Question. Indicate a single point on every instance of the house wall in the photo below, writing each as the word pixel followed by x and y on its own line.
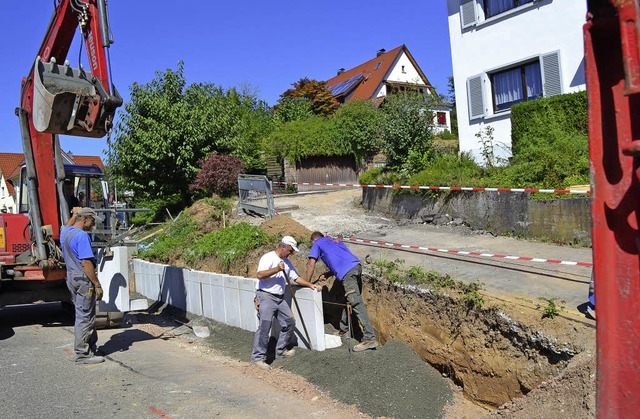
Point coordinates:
pixel 7 202
pixel 532 30
pixel 410 75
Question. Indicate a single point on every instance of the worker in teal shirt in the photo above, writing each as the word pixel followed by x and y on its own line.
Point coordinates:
pixel 348 270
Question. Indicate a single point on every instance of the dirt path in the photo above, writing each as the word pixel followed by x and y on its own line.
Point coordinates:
pixel 338 212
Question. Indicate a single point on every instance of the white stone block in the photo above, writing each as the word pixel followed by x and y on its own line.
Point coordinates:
pixel 113 274
pixel 232 301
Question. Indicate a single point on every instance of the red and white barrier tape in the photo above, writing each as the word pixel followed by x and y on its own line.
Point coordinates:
pixel 461 252
pixel 441 188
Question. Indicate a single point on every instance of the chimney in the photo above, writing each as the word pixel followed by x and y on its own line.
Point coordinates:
pixel 380 52
pixel 340 71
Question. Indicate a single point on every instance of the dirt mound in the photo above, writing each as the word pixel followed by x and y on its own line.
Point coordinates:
pixel 572 393
pixel 201 211
pixel 285 226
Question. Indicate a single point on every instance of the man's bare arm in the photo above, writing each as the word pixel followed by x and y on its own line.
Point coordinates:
pixel 270 272
pixel 89 271
pixel 310 267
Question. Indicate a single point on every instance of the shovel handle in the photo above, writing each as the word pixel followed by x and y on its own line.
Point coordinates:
pixel 293 296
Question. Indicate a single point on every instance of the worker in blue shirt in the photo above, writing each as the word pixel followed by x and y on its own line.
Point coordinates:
pixel 348 270
pixel 82 282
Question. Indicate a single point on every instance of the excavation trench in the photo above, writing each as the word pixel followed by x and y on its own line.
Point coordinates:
pixel 492 357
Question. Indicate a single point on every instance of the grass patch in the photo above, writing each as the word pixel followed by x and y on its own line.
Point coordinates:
pixel 227 245
pixel 175 236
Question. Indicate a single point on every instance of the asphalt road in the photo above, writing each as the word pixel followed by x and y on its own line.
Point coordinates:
pixel 144 376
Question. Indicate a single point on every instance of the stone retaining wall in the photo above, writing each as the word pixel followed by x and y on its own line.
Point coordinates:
pixel 565 220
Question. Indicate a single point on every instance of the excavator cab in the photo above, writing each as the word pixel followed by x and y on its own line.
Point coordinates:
pixel 83 186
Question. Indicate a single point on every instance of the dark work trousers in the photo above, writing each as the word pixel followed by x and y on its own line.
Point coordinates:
pixel 84 331
pixel 351 283
pixel 272 306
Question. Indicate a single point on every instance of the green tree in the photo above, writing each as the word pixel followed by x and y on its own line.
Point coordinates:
pixel 454 110
pixel 305 138
pixel 316 92
pixel 167 128
pixel 292 109
pixel 358 124
pixel 407 126
pixel 154 149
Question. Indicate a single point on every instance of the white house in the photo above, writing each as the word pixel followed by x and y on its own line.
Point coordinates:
pixel 508 51
pixel 388 71
pixel 9 164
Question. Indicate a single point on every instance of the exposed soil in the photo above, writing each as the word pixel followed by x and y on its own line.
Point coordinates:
pixel 492 355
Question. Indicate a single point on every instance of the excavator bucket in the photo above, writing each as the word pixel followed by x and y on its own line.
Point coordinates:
pixel 82 107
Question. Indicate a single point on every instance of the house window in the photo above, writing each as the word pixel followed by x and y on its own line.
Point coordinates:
pixel 403 69
pixel 515 85
pixel 441 118
pixel 495 7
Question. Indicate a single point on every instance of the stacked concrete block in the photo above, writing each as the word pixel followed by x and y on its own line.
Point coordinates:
pixel 226 299
pixel 231 294
pixel 194 291
pixel 310 304
pixel 173 289
pixel 213 296
pixel 113 274
pixel 246 306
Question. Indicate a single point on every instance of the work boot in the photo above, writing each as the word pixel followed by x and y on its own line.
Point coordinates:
pixel 90 360
pixel 261 364
pixel 287 353
pixel 365 344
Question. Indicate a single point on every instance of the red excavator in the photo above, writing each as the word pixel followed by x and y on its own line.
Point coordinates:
pixel 612 62
pixel 56 98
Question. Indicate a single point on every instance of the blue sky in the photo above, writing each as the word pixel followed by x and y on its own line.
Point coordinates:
pixel 267 45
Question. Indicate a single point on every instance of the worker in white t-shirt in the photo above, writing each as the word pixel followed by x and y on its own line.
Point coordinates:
pixel 271 303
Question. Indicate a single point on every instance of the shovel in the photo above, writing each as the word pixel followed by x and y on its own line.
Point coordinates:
pixel 199 331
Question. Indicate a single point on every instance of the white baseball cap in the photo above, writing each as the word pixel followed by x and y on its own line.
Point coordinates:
pixel 291 242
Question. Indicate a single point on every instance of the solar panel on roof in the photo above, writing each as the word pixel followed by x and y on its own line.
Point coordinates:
pixel 344 86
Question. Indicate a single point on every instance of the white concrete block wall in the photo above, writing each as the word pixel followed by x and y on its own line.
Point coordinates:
pixel 223 298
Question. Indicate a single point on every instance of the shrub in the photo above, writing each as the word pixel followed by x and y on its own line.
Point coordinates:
pixel 531 120
pixel 218 174
pixel 370 177
pixel 449 170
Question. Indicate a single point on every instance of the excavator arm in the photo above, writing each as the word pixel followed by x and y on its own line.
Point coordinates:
pixel 59 99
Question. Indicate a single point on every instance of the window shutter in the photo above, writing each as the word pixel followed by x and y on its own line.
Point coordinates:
pixel 468 13
pixel 551 80
pixel 476 97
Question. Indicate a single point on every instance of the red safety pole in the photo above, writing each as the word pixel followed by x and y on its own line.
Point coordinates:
pixel 613 85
